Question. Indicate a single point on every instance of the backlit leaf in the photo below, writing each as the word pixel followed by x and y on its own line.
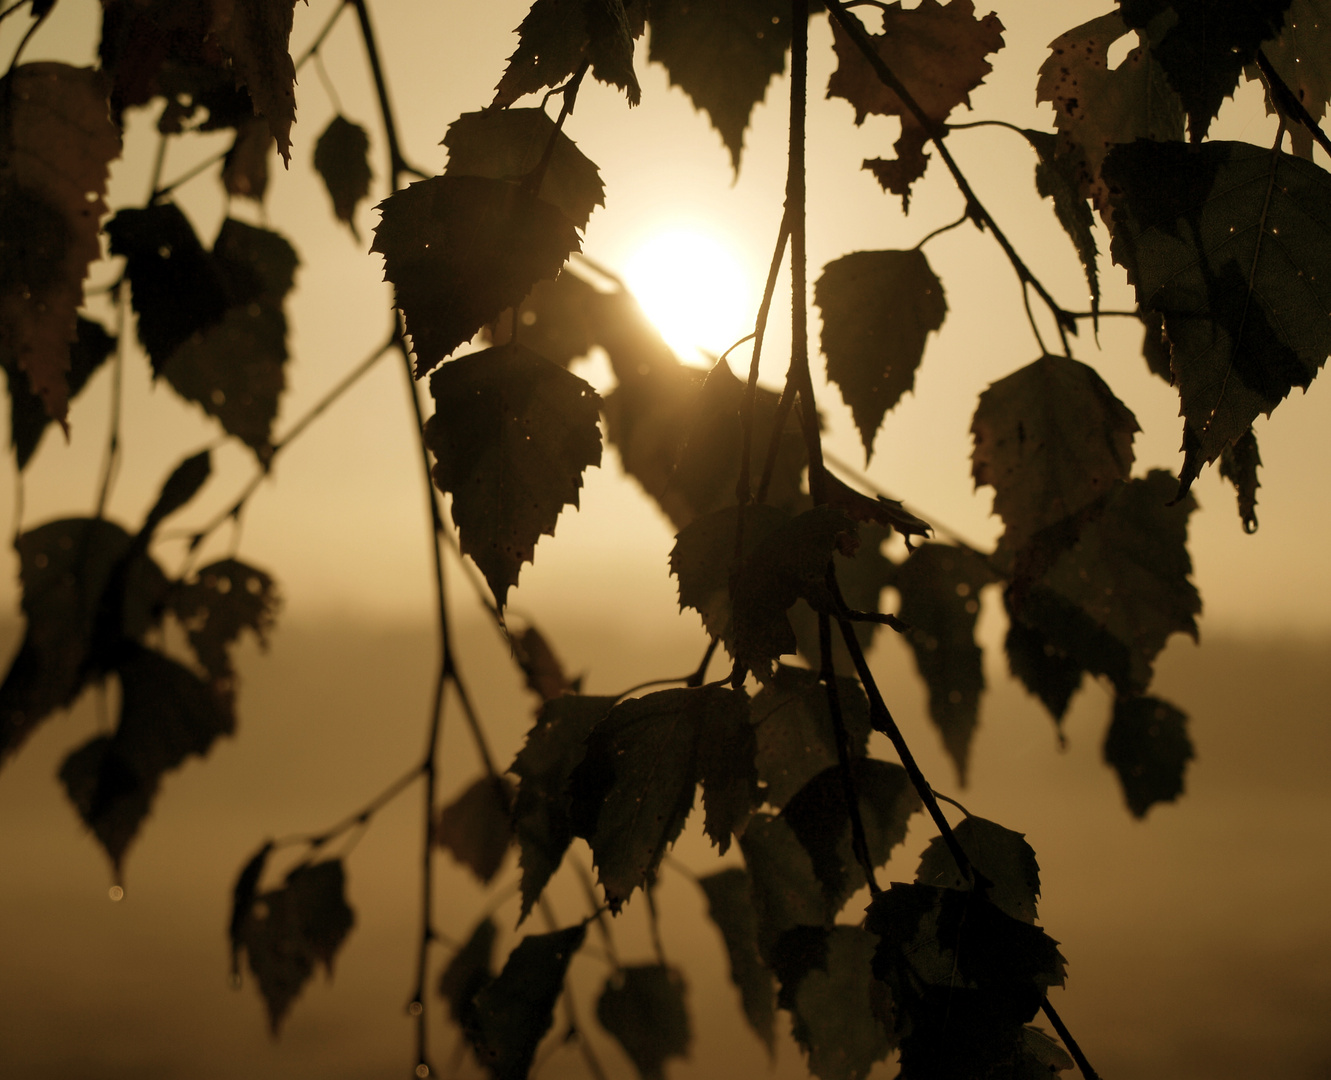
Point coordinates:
pixel 477 826
pixel 1044 669
pixel 793 728
pixel 1001 855
pixel 1060 177
pixel 643 1007
pixel 938 52
pixel 511 435
pixel 940 602
pixel 56 144
pixel 243 895
pixel 180 487
pixel 730 905
pixel 511 1015
pixel 1040 1056
pixel 555 38
pixel 1239 463
pixel 1301 56
pixel 1149 748
pixel 878 307
pixel 342 159
pixel 1050 439
pixel 461 249
pixel 727 769
pixel 468 971
pixel 1230 242
pixel 509 144
pixel 555 321
pixel 786 893
pixel 255 36
pixel 544 673
pixel 544 766
pixel 295 928
pixel 222 599
pixel 723 54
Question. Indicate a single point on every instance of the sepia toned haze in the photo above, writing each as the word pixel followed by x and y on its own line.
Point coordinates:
pixel 1178 966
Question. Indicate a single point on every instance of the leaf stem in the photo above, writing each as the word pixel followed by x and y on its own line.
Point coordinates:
pixel 965 217
pixel 323 33
pixel 1289 102
pixel 1063 1033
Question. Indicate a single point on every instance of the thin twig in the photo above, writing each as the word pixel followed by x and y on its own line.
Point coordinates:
pixel 1289 101
pixel 965 217
pixel 112 466
pixel 23 43
pixel 360 817
pixel 1063 1033
pixel 323 33
pixel 597 911
pixel 654 925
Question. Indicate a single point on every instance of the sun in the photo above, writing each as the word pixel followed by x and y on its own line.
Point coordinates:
pixel 693 288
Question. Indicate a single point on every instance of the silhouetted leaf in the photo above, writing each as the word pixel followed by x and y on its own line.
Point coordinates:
pixel 829 993
pixel 509 144
pixel 468 971
pixel 245 168
pixel 477 826
pixel 555 38
pixel 636 783
pixel 511 435
pixel 243 895
pixel 730 905
pixel 180 487
pixel 1301 56
pixel 1050 438
pixel 511 1015
pixel 727 769
pixel 723 54
pixel 1001 855
pixel 642 1006
pixel 1059 176
pixel 28 417
pixel 224 598
pixel 788 564
pixel 938 52
pixel 255 37
pixel 166 714
pixel 878 510
pixel 1230 243
pixel 461 249
pixel 292 929
pixel 1238 464
pixel 1155 347
pixel 878 307
pixel 1044 669
pixel 85 591
pixel 1203 47
pixel 1111 601
pixel 56 143
pixel 794 733
pixel 786 893
pixel 1149 748
pixel 342 159
pixel 820 820
pixel 940 602
pixel 544 766
pixel 1096 107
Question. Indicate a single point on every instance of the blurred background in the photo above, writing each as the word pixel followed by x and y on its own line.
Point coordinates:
pixel 1197 939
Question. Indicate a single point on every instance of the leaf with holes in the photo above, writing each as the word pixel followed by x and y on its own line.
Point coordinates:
pixel 295 928
pixel 1239 463
pixel 56 145
pixel 511 1014
pixel 723 54
pixel 940 602
pixel 730 906
pixel 255 37
pixel 1149 748
pixel 1301 56
pixel 878 307
pixel 509 144
pixel 342 160
pixel 477 826
pixel 1001 855
pixel 461 249
pixel 223 599
pixel 938 52
pixel 511 435
pixel 643 1007
pixel 557 36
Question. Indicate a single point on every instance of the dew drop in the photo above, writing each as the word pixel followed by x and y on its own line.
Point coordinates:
pixel 218 398
pixel 422 1070
pixel 116 893
pixel 415 1008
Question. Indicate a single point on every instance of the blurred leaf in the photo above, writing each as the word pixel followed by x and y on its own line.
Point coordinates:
pixel 544 766
pixel 1044 669
pixel 245 169
pixel 723 54
pixel 1230 243
pixel 1041 1056
pixel 878 307
pixel 292 929
pixel 255 36
pixel 461 249
pixel 554 39
pixel 224 598
pixel 555 321
pixel 643 1007
pixel 28 417
pixel 511 1014
pixel 1050 439
pixel 793 728
pixel 468 972
pixel 243 895
pixel 180 487
pixel 342 159
pixel 512 434
pixel 477 826
pixel 1001 855
pixel 509 144
pixel 829 992
pixel 167 713
pixel 938 52
pixel 1149 748
pixel 940 602
pixel 1239 462
pixel 730 905
pixel 541 667
pixel 786 893
pixel 820 819
pixel 56 144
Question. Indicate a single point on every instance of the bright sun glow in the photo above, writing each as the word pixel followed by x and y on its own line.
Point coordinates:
pixel 693 288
